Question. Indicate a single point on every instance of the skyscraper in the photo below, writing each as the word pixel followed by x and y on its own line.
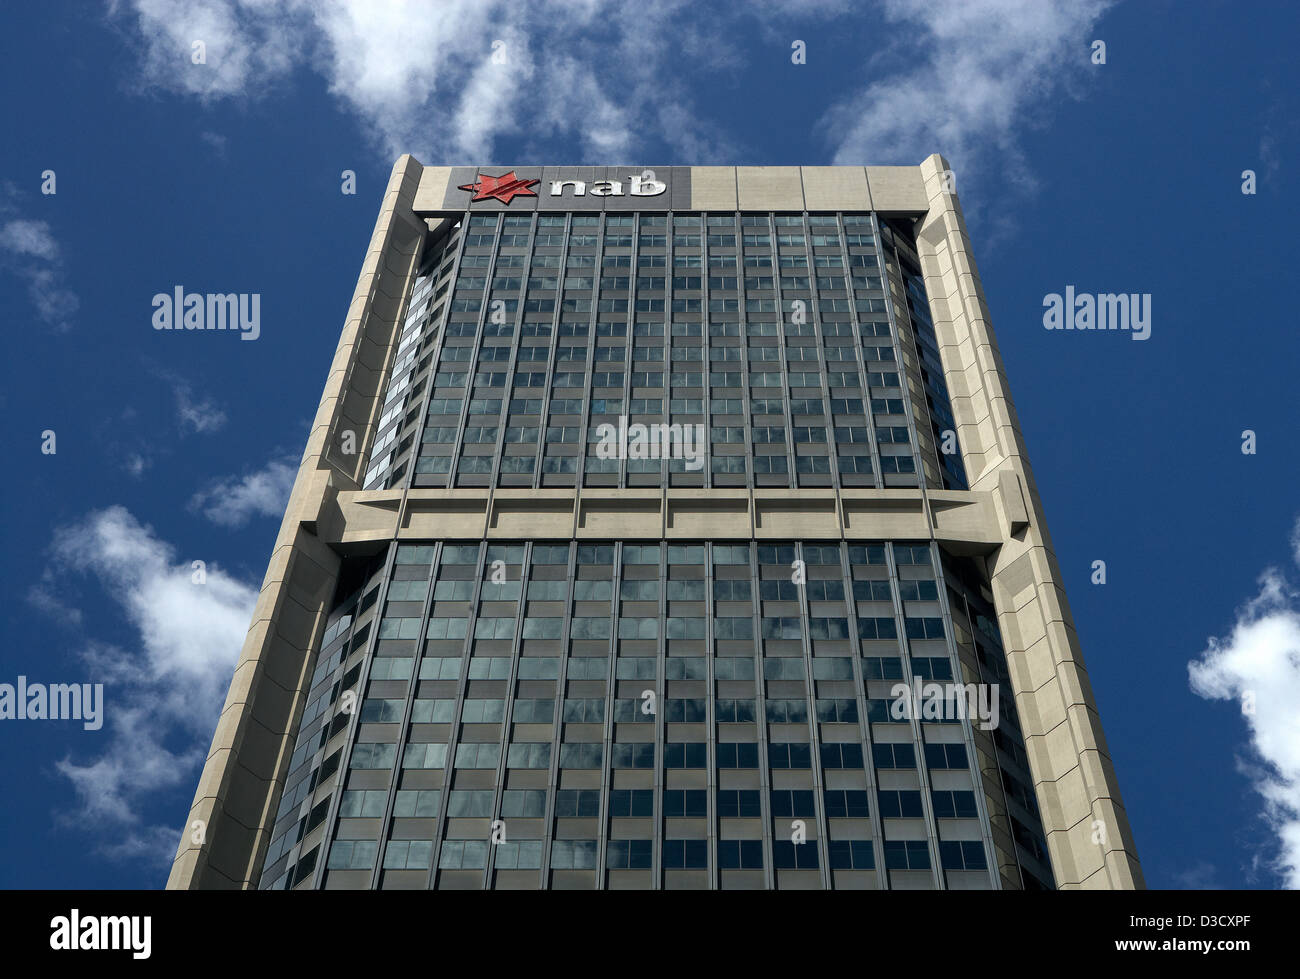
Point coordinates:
pixel 663 528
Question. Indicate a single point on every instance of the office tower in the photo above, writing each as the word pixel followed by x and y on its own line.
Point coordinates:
pixel 526 625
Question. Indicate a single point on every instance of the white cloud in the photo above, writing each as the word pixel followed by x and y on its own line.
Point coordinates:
pixel 960 77
pixel 43 597
pixel 23 237
pixel 984 69
pixel 246 43
pixel 164 692
pixel 422 78
pixel 1258 665
pixel 233 500
pixel 216 140
pixel 200 414
pixel 135 464
pixel 29 250
pixel 1201 876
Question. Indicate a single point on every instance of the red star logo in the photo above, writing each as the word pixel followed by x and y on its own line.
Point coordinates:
pixel 504 188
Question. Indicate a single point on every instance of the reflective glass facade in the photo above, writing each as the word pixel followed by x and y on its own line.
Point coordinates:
pixel 655 714
pixel 788 337
pixel 643 714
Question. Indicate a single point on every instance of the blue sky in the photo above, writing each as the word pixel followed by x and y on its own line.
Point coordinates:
pixel 173 448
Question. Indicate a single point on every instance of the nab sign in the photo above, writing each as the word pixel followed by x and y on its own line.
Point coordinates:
pixel 580 188
pixel 638 185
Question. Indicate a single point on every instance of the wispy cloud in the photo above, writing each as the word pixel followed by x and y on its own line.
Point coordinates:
pixel 972 74
pixel 215 140
pixel 43 598
pixel 28 249
pixel 1258 665
pixel 29 238
pixel 597 80
pixel 1279 129
pixel 232 501
pixel 1201 876
pixel 135 463
pixel 196 413
pixel 212 48
pixel 164 690
pixel 448 80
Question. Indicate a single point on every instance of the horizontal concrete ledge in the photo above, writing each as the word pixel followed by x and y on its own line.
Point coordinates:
pixel 966 521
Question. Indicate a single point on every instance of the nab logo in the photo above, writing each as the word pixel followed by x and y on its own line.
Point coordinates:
pixel 508 186
pixel 504 188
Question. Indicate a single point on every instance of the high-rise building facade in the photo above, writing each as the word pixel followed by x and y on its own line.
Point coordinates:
pixel 664 528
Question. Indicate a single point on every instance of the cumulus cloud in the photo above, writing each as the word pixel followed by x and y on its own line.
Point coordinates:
pixel 446 80
pixel 244 43
pixel 972 73
pixel 28 249
pixel 164 689
pixel 233 500
pixel 1258 666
